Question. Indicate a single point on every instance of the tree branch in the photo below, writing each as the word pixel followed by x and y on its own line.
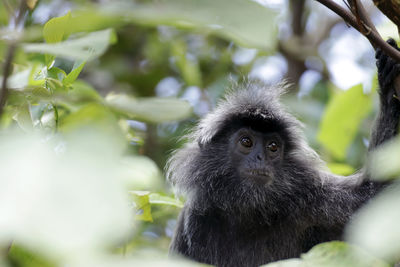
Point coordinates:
pixel 391 9
pixel 370 33
pixel 360 20
pixel 9 57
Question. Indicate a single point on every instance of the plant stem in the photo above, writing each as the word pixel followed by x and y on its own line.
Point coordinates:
pixel 9 57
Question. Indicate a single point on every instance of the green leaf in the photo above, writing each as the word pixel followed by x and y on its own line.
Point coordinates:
pixel 342 118
pixel 23 257
pixel 92 115
pixel 23 118
pixel 57 29
pixel 56 73
pixel 376 226
pixel 73 75
pixel 142 205
pixel 150 109
pixel 84 48
pixel 72 185
pixel 140 173
pixel 19 80
pixel 341 168
pixel 385 160
pixel 246 22
pixel 144 199
pixel 189 69
pixel 54 31
pixel 156 198
pixel 82 92
pixel 338 253
pixel 332 254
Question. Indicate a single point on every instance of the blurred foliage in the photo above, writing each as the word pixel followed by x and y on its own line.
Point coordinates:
pixel 343 116
pixel 101 92
pixel 333 254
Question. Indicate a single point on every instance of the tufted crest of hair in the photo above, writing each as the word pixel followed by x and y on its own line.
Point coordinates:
pixel 200 164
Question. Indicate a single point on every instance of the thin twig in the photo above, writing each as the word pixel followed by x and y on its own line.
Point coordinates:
pixel 364 22
pixel 9 57
pixel 6 74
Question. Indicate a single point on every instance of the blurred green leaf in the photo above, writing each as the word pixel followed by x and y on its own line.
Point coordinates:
pixel 376 226
pixel 189 69
pixel 150 109
pixel 69 201
pixel 257 26
pixel 149 259
pixel 89 116
pixel 144 200
pixel 84 48
pixel 342 118
pixel 23 118
pixel 73 75
pixel 19 80
pixel 57 29
pixel 156 198
pixel 142 205
pixel 341 168
pixel 56 73
pixel 140 173
pixel 82 91
pixel 4 16
pixel 22 257
pixel 332 254
pixel 385 160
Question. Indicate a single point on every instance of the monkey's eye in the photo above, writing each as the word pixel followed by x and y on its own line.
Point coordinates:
pixel 246 142
pixel 273 147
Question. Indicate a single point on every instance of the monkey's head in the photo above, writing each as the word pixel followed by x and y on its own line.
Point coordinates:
pixel 245 155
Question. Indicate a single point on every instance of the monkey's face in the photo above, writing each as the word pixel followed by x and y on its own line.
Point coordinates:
pixel 256 155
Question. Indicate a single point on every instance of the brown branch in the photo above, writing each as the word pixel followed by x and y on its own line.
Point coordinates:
pixel 9 57
pixel 363 20
pixel 364 15
pixel 297 13
pixel 6 74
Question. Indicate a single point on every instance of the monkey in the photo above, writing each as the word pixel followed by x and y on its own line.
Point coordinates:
pixel 256 191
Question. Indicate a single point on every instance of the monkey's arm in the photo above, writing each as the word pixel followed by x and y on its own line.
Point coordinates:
pixel 339 197
pixel 387 123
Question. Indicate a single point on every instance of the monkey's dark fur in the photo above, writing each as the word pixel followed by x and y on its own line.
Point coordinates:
pixel 284 202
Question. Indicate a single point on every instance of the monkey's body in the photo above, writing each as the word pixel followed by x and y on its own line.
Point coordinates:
pixel 256 191
pixel 225 238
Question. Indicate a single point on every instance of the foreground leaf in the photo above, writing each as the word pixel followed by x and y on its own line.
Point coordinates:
pixel 385 160
pixel 150 109
pixel 142 205
pixel 165 200
pixel 376 227
pixel 140 173
pixel 255 28
pixel 87 47
pixel 246 22
pixel 68 199
pixel 332 254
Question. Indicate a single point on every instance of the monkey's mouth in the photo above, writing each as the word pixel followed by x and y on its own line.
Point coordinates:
pixel 259 175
